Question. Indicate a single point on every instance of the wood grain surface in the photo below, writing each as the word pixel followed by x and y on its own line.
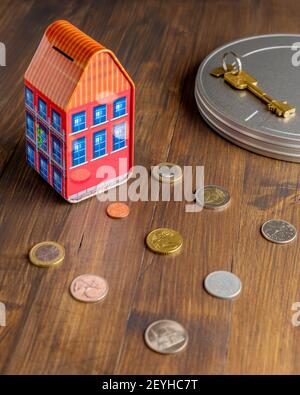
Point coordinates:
pixel 161 44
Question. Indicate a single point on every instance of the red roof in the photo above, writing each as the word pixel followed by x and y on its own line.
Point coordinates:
pixel 72 41
pixel 61 59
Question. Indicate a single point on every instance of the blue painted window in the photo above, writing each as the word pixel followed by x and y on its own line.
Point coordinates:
pixel 78 151
pixel 99 146
pixel 42 108
pixel 99 114
pixel 56 150
pixel 119 136
pixel 29 97
pixel 78 121
pixel 57 180
pixel 44 167
pixel 29 126
pixel 120 107
pixel 56 120
pixel 42 137
pixel 30 154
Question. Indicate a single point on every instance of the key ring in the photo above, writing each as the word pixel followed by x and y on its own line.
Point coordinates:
pixel 236 63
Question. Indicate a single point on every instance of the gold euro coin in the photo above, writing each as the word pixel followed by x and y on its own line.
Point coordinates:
pixel 164 241
pixel 46 254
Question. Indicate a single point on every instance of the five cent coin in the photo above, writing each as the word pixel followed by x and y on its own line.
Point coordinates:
pixel 89 288
pixel 166 337
pixel 214 197
pixel 167 172
pixel 278 231
pixel 222 284
pixel 46 254
pixel 164 241
pixel 117 210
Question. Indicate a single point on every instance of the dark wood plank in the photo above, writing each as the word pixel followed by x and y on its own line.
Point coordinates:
pixel 161 44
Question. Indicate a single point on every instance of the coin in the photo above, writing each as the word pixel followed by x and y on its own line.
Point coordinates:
pixel 166 337
pixel 89 288
pixel 2 314
pixel 278 231
pixel 46 254
pixel 215 197
pixel 167 172
pixel 117 210
pixel 222 284
pixel 164 241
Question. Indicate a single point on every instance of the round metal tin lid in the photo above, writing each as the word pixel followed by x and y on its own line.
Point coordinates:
pixel 250 144
pixel 270 60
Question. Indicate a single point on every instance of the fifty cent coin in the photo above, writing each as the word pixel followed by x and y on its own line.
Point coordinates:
pixel 166 337
pixel 279 231
pixel 89 288
pixel 46 254
pixel 212 197
pixel 164 241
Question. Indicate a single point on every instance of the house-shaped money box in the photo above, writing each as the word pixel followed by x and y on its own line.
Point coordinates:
pixel 79 103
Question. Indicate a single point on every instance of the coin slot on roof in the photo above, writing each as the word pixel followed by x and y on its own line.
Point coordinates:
pixel 63 53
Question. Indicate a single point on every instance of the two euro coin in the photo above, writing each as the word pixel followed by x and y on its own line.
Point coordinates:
pixel 212 197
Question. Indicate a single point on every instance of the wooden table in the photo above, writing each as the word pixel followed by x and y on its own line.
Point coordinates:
pixel 161 43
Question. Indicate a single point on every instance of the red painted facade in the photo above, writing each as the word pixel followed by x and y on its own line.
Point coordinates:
pixel 51 132
pixel 85 176
pixel 79 76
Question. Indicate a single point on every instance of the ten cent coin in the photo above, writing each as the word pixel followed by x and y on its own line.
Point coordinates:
pixel 214 197
pixel 167 172
pixel 117 210
pixel 278 231
pixel 166 337
pixel 222 284
pixel 164 241
pixel 47 253
pixel 89 288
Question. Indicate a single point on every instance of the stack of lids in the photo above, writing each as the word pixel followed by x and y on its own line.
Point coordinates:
pixel 241 117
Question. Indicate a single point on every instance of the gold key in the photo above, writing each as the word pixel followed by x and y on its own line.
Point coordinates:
pixel 241 80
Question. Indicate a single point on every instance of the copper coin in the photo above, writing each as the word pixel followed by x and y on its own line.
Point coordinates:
pixel 117 210
pixel 89 288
